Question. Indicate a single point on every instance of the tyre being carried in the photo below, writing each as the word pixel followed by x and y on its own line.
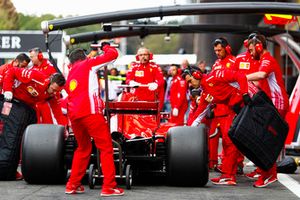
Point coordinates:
pixel 43 154
pixel 187 156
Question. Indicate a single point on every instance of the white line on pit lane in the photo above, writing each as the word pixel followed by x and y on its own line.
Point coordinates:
pixel 289 183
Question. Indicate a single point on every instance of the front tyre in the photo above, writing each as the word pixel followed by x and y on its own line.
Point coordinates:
pixel 187 156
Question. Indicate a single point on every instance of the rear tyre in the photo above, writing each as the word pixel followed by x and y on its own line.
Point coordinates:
pixel 187 156
pixel 43 154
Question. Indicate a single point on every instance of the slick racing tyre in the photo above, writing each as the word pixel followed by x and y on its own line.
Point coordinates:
pixel 187 156
pixel 43 154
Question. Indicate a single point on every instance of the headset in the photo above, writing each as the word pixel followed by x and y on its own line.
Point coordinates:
pixel 252 35
pixel 150 56
pixel 259 43
pixel 178 69
pixel 197 75
pixel 39 53
pixel 40 56
pixel 224 44
pixel 258 46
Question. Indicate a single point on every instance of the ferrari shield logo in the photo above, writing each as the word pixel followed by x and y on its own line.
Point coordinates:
pixel 210 84
pixel 73 85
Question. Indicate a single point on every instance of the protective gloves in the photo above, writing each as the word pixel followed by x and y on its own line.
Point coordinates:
pixel 134 84
pixel 8 96
pixel 175 112
pixel 152 86
pixel 236 108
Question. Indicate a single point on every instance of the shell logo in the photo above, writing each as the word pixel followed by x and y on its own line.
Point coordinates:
pixel 72 85
pixel 227 65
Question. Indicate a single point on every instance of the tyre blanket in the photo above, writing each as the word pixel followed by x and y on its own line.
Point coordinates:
pixel 259 132
pixel 11 134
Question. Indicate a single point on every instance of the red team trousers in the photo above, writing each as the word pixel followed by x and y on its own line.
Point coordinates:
pixel 229 163
pixel 84 128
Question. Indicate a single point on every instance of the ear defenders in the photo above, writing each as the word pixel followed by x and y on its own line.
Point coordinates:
pixel 40 56
pixel 150 57
pixel 246 43
pixel 224 44
pixel 39 53
pixel 252 35
pixel 197 75
pixel 258 45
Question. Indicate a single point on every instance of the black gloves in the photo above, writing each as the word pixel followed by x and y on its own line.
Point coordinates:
pixel 210 113
pixel 104 44
pixel 247 99
pixel 236 108
pixel 195 92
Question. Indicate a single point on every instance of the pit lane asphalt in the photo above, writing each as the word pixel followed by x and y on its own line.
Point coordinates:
pixel 155 189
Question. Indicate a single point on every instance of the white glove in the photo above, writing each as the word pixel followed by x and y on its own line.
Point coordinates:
pixel 152 86
pixel 175 112
pixel 8 96
pixel 134 84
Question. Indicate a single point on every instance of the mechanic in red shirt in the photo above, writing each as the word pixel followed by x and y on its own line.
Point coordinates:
pixel 194 93
pixel 43 109
pixel 244 61
pixel 40 63
pixel 178 100
pixel 225 61
pixel 228 87
pixel 269 77
pixel 85 110
pixel 22 61
pixel 146 73
pixel 32 87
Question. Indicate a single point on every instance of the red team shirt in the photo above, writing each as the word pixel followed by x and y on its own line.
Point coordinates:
pixel 45 67
pixel 273 85
pixel 3 70
pixel 31 86
pixel 79 87
pixel 220 86
pixel 245 64
pixel 178 90
pixel 226 63
pixel 144 74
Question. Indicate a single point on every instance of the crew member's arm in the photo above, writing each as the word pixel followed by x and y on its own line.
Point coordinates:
pixel 256 76
pixel 234 77
pixel 159 78
pixel 264 69
pixel 202 109
pixel 109 56
pixel 22 75
pixel 57 111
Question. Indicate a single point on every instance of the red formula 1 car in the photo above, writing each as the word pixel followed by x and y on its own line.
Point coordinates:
pixel 142 144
